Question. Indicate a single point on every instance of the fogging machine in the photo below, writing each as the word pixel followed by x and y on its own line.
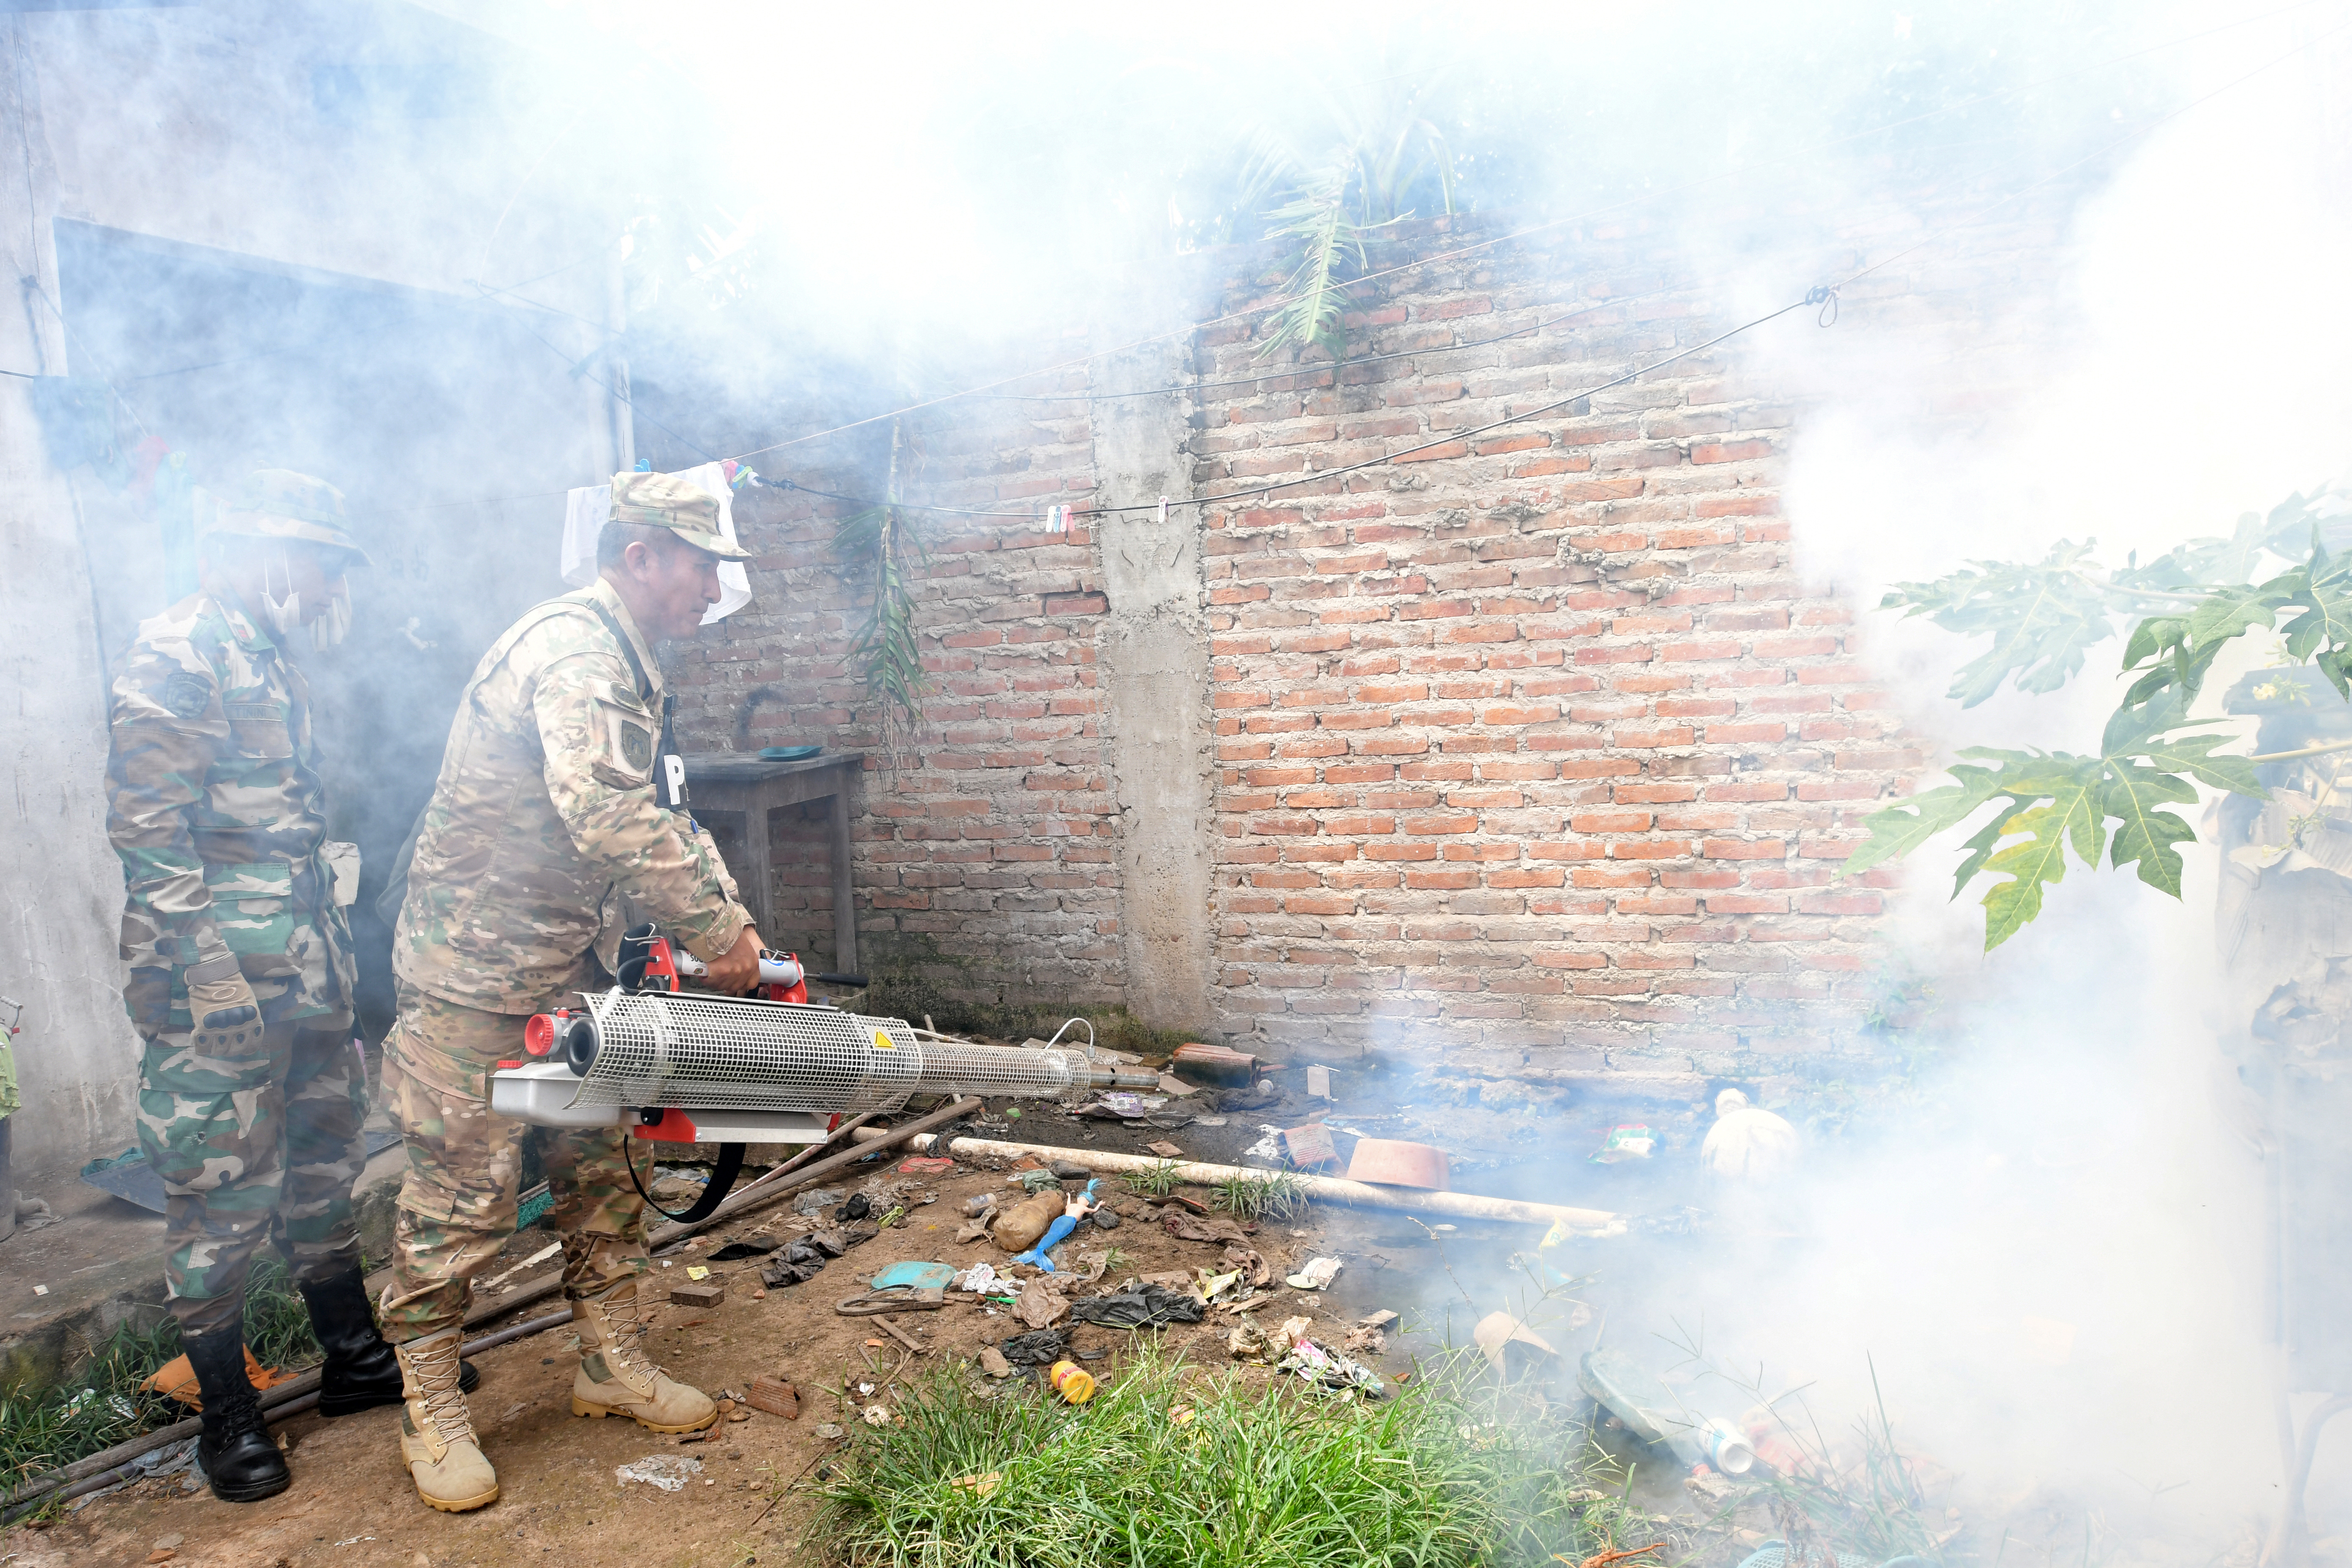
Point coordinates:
pixel 680 1066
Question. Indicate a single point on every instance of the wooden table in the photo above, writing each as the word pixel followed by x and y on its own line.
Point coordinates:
pixel 740 784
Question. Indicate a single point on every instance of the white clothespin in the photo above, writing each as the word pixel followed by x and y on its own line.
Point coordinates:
pixel 1163 509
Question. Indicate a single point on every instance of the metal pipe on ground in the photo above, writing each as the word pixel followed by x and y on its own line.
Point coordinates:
pixel 296 1394
pixel 1331 1189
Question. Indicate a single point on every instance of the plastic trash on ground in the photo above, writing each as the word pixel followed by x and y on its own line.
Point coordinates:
pixel 1317 1273
pixel 664 1472
pixel 1329 1371
pixel 1626 1142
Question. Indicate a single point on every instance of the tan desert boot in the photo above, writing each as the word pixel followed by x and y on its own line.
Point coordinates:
pixel 436 1435
pixel 615 1376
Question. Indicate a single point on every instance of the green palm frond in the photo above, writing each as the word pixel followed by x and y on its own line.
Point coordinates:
pixel 887 651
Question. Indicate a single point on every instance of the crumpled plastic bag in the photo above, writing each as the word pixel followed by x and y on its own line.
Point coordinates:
pixel 1145 1306
pixel 1039 1307
pixel 802 1261
pixel 1042 1348
pixel 664 1472
pixel 1330 1371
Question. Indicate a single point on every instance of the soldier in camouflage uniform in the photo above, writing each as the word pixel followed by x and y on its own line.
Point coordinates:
pixel 250 1093
pixel 544 815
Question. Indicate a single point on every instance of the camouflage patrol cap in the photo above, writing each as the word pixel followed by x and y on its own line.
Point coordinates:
pixel 677 503
pixel 279 503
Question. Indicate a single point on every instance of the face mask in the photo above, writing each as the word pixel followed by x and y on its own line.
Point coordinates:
pixel 280 615
pixel 330 629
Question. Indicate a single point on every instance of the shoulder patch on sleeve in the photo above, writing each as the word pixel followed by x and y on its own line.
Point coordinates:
pixel 187 694
pixel 636 745
pixel 622 751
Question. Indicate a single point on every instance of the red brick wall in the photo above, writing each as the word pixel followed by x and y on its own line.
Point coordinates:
pixel 1537 751
pixel 1537 754
pixel 994 844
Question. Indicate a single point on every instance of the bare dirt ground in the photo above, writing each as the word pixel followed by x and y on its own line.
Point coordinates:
pixel 351 1504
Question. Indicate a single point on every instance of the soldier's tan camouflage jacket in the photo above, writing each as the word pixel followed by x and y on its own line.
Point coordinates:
pixel 544 817
pixel 216 809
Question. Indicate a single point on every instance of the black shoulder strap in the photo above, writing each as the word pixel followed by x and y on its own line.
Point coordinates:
pixel 628 648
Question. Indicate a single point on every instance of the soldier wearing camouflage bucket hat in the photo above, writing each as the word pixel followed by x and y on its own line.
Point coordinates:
pixel 250 1095
pixel 553 809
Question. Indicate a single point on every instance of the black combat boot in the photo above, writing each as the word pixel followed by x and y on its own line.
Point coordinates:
pixel 360 1371
pixel 235 1451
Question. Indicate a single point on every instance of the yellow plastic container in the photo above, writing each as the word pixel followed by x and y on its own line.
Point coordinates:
pixel 1074 1382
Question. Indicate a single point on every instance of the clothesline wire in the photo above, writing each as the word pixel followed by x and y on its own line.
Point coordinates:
pixel 778 482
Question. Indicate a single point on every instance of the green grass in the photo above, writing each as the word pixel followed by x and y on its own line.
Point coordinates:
pixel 1153 1182
pixel 100 1404
pixel 1274 1195
pixel 1261 1475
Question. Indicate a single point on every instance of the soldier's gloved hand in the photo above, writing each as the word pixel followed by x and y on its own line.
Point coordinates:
pixel 737 970
pixel 228 1019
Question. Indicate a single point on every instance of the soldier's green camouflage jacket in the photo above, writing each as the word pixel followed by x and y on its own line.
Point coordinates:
pixel 215 809
pixel 545 814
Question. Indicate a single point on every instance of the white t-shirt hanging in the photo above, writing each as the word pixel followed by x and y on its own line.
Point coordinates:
pixel 586 508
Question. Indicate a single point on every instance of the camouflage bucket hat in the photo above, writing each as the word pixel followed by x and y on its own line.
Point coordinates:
pixel 279 503
pixel 675 502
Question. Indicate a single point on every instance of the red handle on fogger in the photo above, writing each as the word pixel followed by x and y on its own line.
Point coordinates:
pixel 781 978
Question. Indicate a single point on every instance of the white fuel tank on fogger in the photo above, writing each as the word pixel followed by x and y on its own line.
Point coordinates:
pixel 688 1067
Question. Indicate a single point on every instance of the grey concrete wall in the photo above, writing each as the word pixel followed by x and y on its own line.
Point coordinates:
pixel 60 886
pixel 1153 649
pixel 199 128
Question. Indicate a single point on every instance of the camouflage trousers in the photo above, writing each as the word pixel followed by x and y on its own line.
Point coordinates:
pixel 263 1145
pixel 465 1171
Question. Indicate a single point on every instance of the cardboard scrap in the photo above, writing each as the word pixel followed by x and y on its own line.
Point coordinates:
pixel 1497 1330
pixel 1165 1150
pixel 1310 1146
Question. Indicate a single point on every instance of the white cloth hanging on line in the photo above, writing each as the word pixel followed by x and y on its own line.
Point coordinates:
pixel 586 508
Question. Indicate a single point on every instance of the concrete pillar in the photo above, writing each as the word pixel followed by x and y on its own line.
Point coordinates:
pixel 60 885
pixel 1153 652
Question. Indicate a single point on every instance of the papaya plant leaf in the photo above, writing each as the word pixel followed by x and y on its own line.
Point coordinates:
pixel 2122 803
pixel 2032 865
pixel 1900 828
pixel 2041 618
pixel 2145 833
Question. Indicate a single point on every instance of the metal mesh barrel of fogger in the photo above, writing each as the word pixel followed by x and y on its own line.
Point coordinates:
pixel 654 1048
